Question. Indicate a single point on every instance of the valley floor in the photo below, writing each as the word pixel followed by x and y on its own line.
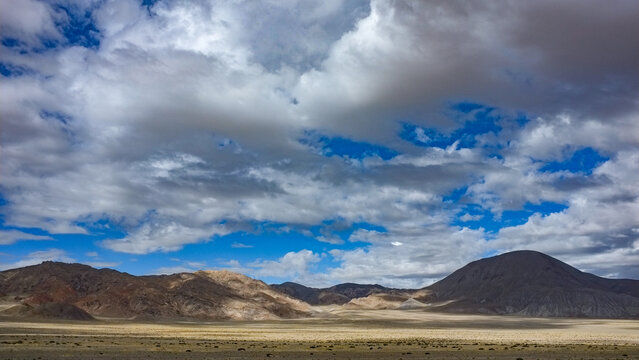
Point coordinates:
pixel 335 333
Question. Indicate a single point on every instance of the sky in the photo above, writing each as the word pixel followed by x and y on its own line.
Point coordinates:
pixel 321 142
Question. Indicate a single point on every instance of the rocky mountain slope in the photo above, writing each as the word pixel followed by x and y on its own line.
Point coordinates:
pixel 54 289
pixel 338 294
pixel 533 284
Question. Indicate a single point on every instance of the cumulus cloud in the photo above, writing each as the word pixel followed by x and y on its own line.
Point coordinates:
pixel 600 220
pixel 188 121
pixel 409 255
pixel 292 264
pixel 160 236
pixel 26 20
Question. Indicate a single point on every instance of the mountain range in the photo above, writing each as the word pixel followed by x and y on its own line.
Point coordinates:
pixel 77 291
pixel 526 283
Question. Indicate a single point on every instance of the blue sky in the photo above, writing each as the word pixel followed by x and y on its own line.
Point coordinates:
pixel 327 142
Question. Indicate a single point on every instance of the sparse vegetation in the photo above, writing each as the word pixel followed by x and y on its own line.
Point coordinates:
pixel 340 334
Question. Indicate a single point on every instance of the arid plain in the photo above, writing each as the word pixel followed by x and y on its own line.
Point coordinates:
pixel 333 333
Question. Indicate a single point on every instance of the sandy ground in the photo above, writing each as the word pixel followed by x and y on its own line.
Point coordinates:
pixel 334 334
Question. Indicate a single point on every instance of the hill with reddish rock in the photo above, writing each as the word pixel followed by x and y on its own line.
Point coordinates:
pixel 206 295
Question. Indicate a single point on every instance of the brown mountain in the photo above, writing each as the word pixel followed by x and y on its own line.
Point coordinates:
pixel 533 284
pixel 338 294
pixel 54 289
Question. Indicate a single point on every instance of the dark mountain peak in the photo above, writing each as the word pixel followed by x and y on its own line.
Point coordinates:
pixel 519 259
pixel 59 265
pixel 355 285
pixel 524 265
pixel 532 283
pixel 59 269
pixel 294 285
pixel 511 270
pixel 352 291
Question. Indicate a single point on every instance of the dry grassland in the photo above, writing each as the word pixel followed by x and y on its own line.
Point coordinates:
pixel 334 333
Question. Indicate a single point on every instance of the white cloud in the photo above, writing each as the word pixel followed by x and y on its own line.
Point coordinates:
pixel 184 266
pixel 192 117
pixel 292 264
pixel 27 19
pixel 168 270
pixel 102 264
pixel 369 236
pixel 598 224
pixel 428 252
pixel 239 245
pixel 162 237
pixel 467 217
pixel 196 264
pixel 421 136
pixel 11 236
pixel 330 239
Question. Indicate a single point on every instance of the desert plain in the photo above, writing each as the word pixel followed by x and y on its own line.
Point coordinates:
pixel 333 333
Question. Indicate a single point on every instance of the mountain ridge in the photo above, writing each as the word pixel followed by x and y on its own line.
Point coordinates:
pixel 203 295
pixel 337 294
pixel 525 282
